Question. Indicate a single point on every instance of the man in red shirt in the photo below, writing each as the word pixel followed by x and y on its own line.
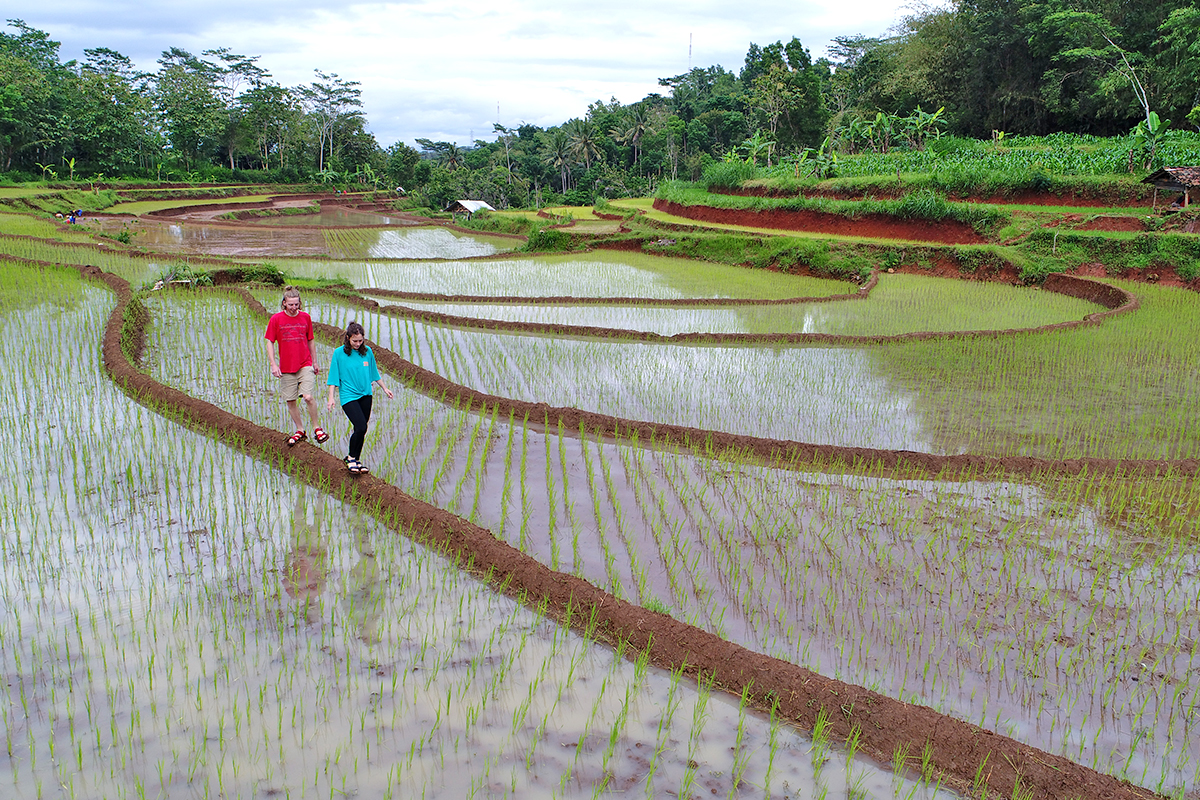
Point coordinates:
pixel 291 330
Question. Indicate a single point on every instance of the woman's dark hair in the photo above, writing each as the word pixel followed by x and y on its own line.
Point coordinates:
pixel 354 329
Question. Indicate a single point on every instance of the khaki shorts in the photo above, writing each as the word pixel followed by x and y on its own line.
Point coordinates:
pixel 294 384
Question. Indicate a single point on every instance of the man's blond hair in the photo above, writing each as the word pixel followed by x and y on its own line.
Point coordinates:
pixel 290 291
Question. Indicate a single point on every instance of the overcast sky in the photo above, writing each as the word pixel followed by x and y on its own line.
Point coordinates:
pixel 439 70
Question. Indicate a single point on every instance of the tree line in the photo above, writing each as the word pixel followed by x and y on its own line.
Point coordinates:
pixel 974 68
pixel 197 116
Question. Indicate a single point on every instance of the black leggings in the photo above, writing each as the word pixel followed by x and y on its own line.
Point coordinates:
pixel 359 413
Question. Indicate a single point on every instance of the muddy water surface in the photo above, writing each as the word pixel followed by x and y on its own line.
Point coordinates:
pixel 980 599
pixel 182 620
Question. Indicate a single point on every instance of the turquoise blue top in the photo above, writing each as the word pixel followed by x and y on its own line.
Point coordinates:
pixel 353 374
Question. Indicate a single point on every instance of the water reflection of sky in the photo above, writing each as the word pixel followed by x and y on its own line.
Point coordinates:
pixel 302 239
pixel 427 243
pixel 240 241
pixel 824 395
pixel 331 216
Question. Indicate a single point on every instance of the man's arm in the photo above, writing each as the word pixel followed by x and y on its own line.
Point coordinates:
pixel 311 356
pixel 271 358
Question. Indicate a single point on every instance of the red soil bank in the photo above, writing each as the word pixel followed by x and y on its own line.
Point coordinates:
pixel 874 226
pixel 1114 224
pixel 1026 198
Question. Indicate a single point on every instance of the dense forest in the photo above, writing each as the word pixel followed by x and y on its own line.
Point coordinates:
pixel 978 68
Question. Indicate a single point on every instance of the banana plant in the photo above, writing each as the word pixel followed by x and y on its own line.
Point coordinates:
pixel 366 174
pixel 757 145
pixel 920 126
pixel 1146 135
pixel 881 132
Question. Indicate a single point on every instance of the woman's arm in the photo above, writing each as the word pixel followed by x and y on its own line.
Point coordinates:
pixel 334 380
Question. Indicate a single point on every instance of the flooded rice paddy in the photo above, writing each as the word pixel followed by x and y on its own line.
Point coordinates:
pixel 1004 603
pixel 183 620
pixel 899 304
pixel 271 238
pixel 596 274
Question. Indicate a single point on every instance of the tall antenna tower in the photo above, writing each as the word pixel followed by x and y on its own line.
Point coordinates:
pixel 689 52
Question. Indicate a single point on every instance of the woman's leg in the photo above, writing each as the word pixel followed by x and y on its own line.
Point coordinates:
pixel 359 413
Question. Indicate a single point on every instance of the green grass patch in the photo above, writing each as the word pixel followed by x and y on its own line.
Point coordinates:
pixel 549 240
pixel 1052 251
pixel 288 211
pixel 924 205
pixel 140 207
pixel 518 222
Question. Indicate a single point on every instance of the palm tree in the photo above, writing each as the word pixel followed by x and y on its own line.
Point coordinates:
pixel 557 153
pixel 635 127
pixel 585 140
pixel 452 157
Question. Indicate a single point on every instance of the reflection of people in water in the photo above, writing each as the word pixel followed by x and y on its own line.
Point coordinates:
pixel 307 566
pixel 364 593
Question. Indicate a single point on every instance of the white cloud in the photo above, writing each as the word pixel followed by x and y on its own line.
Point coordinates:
pixel 437 70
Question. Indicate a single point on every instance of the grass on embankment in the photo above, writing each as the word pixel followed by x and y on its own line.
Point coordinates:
pixel 1119 191
pixel 926 205
pixel 140 207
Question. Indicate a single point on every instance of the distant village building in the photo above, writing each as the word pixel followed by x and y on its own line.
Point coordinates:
pixel 468 207
pixel 1176 179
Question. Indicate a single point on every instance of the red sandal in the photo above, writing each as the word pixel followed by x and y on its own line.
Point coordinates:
pixel 296 438
pixel 320 435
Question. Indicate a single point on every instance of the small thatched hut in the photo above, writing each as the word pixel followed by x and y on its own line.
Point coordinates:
pixel 468 207
pixel 1176 179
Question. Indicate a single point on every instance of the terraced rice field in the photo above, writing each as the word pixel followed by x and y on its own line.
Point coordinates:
pixel 905 521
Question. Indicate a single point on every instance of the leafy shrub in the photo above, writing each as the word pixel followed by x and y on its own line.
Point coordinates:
pixel 180 272
pixel 500 223
pixel 263 273
pixel 577 197
pixel 547 240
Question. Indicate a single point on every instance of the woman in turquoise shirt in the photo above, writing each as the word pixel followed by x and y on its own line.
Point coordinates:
pixel 352 372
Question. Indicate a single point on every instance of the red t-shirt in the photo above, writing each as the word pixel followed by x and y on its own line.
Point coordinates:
pixel 293 335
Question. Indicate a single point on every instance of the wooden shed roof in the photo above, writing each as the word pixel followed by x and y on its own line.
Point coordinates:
pixel 1175 178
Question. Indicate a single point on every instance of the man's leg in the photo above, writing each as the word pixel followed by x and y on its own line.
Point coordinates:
pixel 294 410
pixel 311 402
pixel 307 383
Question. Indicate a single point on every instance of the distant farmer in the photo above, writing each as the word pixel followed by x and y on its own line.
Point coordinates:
pixel 292 331
pixel 353 373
